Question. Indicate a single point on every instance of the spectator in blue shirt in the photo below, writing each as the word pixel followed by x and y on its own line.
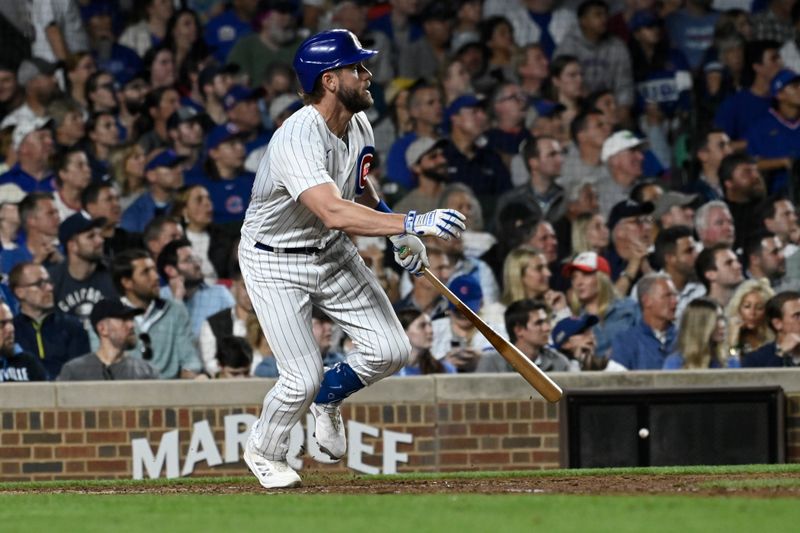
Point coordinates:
pixel 164 177
pixel 783 314
pixel 39 220
pixel 646 345
pixel 32 141
pixel 222 31
pixel 691 29
pixel 701 340
pixel 122 62
pixel 241 108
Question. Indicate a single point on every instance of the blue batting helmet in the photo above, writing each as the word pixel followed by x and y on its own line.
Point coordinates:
pixel 327 50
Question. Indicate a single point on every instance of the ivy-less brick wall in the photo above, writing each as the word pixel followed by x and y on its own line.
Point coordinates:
pixel 72 431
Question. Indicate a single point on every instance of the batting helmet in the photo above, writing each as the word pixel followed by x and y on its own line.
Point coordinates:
pixel 327 50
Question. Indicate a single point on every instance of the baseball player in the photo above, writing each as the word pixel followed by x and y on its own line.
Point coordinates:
pixel 310 189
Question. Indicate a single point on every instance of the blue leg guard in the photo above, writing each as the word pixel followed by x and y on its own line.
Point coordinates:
pixel 338 383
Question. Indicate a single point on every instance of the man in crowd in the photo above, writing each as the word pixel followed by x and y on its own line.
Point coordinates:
pixel 39 221
pixel 19 367
pixel 720 272
pixel 101 200
pixel 714 224
pixel 780 217
pixel 424 296
pixel 178 265
pixel 589 131
pixel 159 232
pixel 712 146
pixel 763 256
pixel 783 318
pixel 674 209
pixel 653 338
pixel 41 328
pixel 629 225
pixel 185 131
pixel 573 337
pixel 112 321
pixel 33 144
pixel 676 253
pixel 37 76
pixel 623 157
pixel 744 189
pixel 165 331
pixel 83 278
pixel 425 158
pixel 164 178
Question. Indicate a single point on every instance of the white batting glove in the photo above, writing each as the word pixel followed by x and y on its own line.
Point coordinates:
pixel 443 223
pixel 409 252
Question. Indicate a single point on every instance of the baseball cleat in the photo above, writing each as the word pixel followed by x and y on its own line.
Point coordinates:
pixel 329 430
pixel 271 474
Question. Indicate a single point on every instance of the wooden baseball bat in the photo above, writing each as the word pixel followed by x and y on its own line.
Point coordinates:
pixel 522 364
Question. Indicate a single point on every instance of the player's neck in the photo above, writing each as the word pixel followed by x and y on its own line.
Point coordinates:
pixel 335 115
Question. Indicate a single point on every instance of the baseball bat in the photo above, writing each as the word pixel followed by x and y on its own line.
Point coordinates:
pixel 518 360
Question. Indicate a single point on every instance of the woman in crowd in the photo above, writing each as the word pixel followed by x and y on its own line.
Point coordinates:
pixel 184 37
pixel 151 29
pixel 417 326
pixel 498 35
pixel 102 135
pixel 127 171
pixel 159 63
pixel 210 242
pixel 701 339
pixel 455 81
pixel 590 234
pixel 79 66
pixel 567 86
pixel 593 293
pixel 100 94
pixel 527 276
pixel 745 312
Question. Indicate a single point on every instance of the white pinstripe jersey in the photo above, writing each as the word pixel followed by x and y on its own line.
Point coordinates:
pixel 304 153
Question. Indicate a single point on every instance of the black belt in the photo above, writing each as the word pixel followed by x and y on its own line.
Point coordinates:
pixel 308 250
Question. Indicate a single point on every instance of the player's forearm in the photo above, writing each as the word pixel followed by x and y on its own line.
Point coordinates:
pixel 358 219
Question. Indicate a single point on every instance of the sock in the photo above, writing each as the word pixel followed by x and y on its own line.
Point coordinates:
pixel 338 383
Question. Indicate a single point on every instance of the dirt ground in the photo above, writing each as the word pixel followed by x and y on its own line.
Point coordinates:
pixel 763 485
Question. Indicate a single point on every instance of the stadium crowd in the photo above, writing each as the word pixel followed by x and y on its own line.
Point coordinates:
pixel 628 169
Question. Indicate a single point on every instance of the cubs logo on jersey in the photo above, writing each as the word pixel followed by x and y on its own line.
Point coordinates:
pixel 363 164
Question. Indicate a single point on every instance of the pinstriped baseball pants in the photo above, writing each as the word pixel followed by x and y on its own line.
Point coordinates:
pixel 283 287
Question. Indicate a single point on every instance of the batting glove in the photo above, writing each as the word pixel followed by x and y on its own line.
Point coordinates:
pixel 409 252
pixel 443 223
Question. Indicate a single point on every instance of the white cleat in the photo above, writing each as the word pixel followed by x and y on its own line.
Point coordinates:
pixel 271 474
pixel 329 430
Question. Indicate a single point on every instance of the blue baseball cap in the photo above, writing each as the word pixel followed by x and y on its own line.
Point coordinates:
pixel 546 108
pixel 570 326
pixel 167 158
pixel 468 291
pixel 644 18
pixel 465 100
pixel 782 79
pixel 240 93
pixel 222 133
pixel 76 224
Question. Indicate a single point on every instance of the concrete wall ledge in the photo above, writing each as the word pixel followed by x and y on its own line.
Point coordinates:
pixel 426 389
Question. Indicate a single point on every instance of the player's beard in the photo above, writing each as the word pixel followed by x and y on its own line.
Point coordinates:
pixel 354 101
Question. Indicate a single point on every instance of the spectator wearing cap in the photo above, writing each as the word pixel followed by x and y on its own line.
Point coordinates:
pixel 593 292
pixel 276 40
pixel 629 225
pixel 740 111
pixel 164 330
pixel 113 323
pixel 720 272
pixel 744 189
pixel 676 253
pixel 11 94
pixel 69 126
pixel 214 82
pixel 425 158
pixel 101 200
pixel 185 130
pixel 605 61
pixel 425 111
pixel 623 157
pixel 150 29
pixel 10 197
pixel 712 146
pixel 534 21
pixel 15 367
pixel 73 174
pixel 225 29
pixel 42 329
pixel 674 209
pixel 164 177
pixel 714 224
pixel 83 278
pixel 39 240
pixel 775 137
pixel 424 57
pixel 180 267
pixel 573 337
pixel 455 337
pixel 159 105
pixel 647 344
pixel 471 162
pixel 224 176
pixel 544 158
pixel 37 76
pixel 509 106
pixel 33 144
pixel 122 62
pixel 241 107
pixel 589 132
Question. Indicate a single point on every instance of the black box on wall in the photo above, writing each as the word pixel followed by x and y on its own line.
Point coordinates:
pixel 672 427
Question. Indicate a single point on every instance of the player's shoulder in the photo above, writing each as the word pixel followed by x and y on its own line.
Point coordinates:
pixel 304 122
